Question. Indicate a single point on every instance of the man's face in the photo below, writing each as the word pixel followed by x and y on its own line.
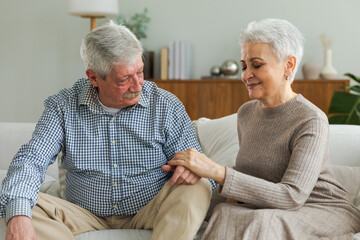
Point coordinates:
pixel 122 87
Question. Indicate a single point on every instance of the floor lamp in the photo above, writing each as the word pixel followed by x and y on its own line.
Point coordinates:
pixel 93 9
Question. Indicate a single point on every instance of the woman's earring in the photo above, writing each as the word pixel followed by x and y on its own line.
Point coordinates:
pixel 287 78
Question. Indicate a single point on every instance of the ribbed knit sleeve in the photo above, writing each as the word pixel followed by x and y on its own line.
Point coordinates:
pixel 283 152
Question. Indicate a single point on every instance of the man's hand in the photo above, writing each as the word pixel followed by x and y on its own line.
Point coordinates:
pixel 181 175
pixel 199 164
pixel 20 228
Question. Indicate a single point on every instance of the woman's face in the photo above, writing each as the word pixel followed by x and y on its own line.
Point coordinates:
pixel 263 73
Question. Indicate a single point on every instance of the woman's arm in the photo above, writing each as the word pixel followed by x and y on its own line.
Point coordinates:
pixel 309 146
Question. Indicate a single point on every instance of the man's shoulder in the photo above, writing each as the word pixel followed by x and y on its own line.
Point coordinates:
pixel 160 95
pixel 67 94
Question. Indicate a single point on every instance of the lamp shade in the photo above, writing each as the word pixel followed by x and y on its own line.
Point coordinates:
pixel 93 8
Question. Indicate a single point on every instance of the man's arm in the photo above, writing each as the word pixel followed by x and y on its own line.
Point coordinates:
pixel 180 135
pixel 27 170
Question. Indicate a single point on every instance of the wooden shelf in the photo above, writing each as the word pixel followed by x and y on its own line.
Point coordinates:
pixel 215 98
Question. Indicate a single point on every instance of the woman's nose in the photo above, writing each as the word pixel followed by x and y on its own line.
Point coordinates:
pixel 246 74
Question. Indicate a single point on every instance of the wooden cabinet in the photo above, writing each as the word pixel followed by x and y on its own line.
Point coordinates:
pixel 218 98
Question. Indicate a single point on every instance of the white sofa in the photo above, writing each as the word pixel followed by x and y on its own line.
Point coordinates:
pixel 218 139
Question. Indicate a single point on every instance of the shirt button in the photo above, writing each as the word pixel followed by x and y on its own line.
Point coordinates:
pixel 115 206
pixel 115 165
pixel 113 118
pixel 113 141
pixel 115 184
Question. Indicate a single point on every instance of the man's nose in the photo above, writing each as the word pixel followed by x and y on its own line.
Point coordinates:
pixel 136 83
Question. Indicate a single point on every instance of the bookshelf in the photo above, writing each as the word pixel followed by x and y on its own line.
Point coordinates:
pixel 215 98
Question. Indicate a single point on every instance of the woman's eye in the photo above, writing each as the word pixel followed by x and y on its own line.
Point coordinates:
pixel 257 66
pixel 243 68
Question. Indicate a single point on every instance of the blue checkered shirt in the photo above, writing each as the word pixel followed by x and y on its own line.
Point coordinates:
pixel 113 162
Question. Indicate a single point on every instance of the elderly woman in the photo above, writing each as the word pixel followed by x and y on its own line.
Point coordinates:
pixel 282 186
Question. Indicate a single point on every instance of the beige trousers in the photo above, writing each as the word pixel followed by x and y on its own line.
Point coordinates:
pixel 177 212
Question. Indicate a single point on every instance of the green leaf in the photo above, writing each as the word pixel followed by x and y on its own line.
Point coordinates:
pixel 355 88
pixel 136 24
pixel 337 119
pixel 352 76
pixel 342 102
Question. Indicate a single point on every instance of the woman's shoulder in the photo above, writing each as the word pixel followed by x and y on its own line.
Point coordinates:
pixel 307 109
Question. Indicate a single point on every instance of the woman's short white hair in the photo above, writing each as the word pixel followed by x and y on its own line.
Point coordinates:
pixel 107 46
pixel 284 38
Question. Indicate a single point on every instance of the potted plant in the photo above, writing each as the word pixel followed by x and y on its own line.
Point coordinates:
pixel 138 25
pixel 345 106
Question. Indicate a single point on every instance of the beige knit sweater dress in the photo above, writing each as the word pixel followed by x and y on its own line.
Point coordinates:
pixel 282 180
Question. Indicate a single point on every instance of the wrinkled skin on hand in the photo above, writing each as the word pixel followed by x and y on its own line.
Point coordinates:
pixel 20 228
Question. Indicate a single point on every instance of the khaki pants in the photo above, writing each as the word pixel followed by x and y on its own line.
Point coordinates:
pixel 176 212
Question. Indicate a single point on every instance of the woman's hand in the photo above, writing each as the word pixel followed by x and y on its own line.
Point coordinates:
pixel 181 175
pixel 199 164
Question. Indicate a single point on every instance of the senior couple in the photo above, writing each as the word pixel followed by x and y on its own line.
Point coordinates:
pixel 133 160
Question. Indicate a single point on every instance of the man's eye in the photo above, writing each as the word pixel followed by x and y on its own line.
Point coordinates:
pixel 122 82
pixel 257 66
pixel 243 68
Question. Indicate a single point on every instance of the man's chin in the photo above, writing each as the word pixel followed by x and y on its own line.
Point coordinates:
pixel 132 101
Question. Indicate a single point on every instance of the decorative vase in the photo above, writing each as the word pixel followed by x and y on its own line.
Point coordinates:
pixel 311 71
pixel 328 71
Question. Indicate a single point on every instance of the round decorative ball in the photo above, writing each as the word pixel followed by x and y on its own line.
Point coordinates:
pixel 215 71
pixel 229 67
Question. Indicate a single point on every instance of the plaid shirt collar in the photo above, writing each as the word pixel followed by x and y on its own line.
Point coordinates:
pixel 89 97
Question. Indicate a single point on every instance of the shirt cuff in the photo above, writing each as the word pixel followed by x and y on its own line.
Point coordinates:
pixel 18 207
pixel 213 184
pixel 229 176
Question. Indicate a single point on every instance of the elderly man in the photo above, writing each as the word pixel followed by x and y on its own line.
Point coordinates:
pixel 116 132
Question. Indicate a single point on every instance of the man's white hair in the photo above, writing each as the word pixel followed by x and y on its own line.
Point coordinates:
pixel 107 46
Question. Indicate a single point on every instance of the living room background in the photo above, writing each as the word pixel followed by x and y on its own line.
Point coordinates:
pixel 39 50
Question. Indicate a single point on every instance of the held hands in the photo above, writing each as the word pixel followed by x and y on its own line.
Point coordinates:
pixel 181 175
pixel 199 164
pixel 20 228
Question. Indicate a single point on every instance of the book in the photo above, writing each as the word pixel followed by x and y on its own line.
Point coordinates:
pixel 164 63
pixel 177 60
pixel 179 55
pixel 171 58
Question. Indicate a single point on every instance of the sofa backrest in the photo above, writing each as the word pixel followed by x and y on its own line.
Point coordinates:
pixel 345 144
pixel 218 138
pixel 12 137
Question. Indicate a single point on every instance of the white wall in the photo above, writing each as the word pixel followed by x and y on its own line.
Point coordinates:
pixel 39 41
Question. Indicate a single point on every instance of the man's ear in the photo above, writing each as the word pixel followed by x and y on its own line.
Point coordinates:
pixel 92 77
pixel 290 64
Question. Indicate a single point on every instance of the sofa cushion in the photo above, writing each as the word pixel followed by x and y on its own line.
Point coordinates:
pixel 349 177
pixel 12 137
pixel 344 144
pixel 130 234
pixel 218 139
